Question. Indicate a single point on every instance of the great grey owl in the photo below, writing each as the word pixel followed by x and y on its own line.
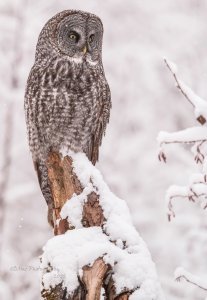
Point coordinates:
pixel 67 99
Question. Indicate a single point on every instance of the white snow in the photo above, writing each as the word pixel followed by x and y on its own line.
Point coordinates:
pixel 175 191
pixel 196 178
pixel 68 253
pixel 118 242
pixel 189 135
pixel 199 103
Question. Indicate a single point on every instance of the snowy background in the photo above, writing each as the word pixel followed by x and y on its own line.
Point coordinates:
pixel 137 36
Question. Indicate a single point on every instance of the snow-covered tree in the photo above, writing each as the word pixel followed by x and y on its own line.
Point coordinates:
pixel 196 189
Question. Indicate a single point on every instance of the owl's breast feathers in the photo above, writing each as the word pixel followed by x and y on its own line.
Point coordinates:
pixel 67 104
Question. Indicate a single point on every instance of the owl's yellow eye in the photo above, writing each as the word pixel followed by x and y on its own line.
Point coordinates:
pixel 73 36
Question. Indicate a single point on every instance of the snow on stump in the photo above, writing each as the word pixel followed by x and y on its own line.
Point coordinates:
pixel 96 253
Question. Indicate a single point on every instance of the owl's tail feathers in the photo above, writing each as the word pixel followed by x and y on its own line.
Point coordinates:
pixel 42 174
pixel 92 150
pixel 95 155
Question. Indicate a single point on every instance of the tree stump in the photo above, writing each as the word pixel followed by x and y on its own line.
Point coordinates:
pixel 94 238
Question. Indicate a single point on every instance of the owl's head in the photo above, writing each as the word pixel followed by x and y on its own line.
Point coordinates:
pixel 75 34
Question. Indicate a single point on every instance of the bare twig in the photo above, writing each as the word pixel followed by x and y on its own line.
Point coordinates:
pixel 191 197
pixel 192 279
pixel 183 142
pixel 178 82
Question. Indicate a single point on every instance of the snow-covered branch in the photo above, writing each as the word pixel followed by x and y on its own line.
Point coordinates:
pixel 199 104
pixel 194 135
pixel 197 136
pixel 100 252
pixel 196 190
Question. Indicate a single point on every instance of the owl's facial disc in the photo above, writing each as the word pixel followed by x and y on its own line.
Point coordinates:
pixel 72 36
pixel 94 39
pixel 80 37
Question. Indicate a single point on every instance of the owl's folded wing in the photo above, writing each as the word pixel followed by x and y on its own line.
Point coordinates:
pixel 92 150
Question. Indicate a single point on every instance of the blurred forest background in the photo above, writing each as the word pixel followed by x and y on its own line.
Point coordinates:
pixel 138 34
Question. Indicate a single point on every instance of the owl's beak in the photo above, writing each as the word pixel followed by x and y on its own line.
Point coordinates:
pixel 84 50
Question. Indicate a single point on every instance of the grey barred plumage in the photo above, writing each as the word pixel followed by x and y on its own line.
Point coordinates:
pixel 67 99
